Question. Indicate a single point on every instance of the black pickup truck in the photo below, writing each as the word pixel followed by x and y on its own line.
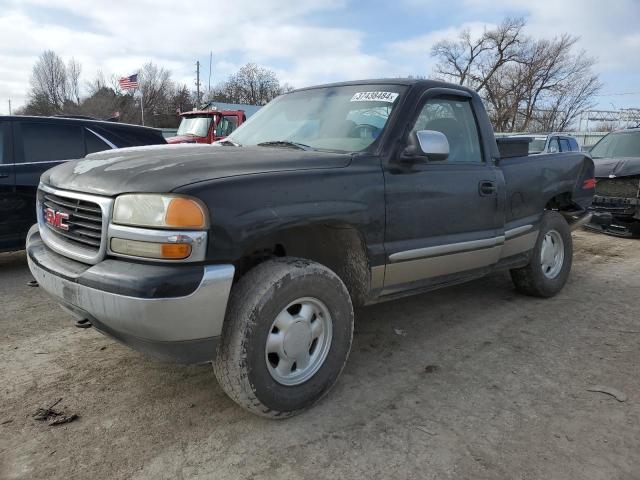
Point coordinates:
pixel 252 253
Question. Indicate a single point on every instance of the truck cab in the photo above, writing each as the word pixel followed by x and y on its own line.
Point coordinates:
pixel 207 126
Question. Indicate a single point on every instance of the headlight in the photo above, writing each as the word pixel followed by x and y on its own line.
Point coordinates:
pixel 159 211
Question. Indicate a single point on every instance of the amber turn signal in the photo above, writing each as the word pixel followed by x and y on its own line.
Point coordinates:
pixel 184 213
pixel 176 251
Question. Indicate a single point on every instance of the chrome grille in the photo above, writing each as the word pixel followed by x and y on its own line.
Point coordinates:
pixel 84 222
pixel 74 224
pixel 623 187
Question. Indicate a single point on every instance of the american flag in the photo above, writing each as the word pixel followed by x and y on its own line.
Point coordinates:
pixel 129 83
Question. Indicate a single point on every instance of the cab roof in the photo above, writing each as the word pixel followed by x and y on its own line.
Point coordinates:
pixel 425 83
pixel 72 120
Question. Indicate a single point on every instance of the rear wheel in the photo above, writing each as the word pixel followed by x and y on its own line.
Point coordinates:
pixel 286 337
pixel 550 264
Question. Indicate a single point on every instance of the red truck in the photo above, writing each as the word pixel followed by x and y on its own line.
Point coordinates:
pixel 207 126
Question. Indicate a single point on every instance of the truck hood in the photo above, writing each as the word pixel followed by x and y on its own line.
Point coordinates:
pixel 617 167
pixel 163 168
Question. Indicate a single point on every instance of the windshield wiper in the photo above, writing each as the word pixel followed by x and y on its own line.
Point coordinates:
pixel 285 143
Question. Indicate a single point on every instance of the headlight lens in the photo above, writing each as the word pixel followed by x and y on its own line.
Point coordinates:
pixel 159 211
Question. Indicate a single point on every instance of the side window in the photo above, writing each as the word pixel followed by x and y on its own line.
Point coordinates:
pixel 455 119
pixel 6 143
pixel 2 142
pixel 121 136
pixel 564 145
pixel 554 146
pixel 94 142
pixel 43 142
pixel 226 126
pixel 573 143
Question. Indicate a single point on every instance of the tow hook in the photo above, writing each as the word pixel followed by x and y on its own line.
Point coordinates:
pixel 83 323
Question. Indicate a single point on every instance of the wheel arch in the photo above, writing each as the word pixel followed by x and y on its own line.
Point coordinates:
pixel 564 204
pixel 338 246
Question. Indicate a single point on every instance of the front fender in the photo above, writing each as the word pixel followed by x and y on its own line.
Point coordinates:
pixel 246 209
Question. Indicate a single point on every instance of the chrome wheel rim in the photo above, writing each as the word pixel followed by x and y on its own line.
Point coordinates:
pixel 552 254
pixel 298 341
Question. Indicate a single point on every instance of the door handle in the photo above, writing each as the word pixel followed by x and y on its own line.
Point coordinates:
pixel 487 188
pixel 4 175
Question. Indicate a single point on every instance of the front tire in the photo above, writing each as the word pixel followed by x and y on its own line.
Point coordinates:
pixel 551 259
pixel 286 337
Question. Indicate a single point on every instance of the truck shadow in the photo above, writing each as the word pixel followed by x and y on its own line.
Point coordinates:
pixel 13 260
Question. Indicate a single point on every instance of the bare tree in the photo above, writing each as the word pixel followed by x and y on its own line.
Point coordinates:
pixel 55 88
pixel 48 83
pixel 162 99
pixel 528 85
pixel 474 61
pixel 252 85
pixel 182 99
pixel 73 80
pixel 565 86
pixel 105 103
pixel 156 87
pixel 98 83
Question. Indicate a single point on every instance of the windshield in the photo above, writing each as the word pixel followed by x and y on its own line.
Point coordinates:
pixel 537 145
pixel 195 126
pixel 618 144
pixel 341 119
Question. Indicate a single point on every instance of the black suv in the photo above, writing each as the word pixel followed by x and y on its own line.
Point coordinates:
pixel 31 145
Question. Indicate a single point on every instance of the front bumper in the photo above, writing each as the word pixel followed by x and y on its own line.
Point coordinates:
pixel 615 215
pixel 165 311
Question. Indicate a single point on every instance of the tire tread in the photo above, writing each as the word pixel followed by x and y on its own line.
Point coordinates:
pixel 230 365
pixel 529 279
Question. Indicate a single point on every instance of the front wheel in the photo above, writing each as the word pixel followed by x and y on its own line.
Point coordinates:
pixel 550 264
pixel 286 337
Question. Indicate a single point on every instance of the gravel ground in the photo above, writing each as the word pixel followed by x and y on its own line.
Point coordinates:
pixel 475 381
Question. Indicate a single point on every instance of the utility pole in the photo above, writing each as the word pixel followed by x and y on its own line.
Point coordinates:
pixel 142 106
pixel 9 106
pixel 210 62
pixel 198 84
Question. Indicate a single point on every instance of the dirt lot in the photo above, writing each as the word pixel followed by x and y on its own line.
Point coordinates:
pixel 474 381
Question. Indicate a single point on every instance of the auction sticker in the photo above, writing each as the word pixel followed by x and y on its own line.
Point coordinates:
pixel 375 97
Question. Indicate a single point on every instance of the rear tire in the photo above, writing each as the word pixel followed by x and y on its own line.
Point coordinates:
pixel 286 337
pixel 551 259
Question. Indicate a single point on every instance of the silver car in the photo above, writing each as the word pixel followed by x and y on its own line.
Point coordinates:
pixel 550 143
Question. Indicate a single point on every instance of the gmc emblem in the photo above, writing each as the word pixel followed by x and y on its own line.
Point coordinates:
pixel 56 219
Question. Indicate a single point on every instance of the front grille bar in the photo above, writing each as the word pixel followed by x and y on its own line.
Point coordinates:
pixel 87 222
pixel 73 206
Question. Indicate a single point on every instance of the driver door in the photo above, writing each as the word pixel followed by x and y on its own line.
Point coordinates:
pixel 443 218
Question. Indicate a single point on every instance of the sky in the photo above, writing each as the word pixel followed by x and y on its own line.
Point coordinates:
pixel 305 42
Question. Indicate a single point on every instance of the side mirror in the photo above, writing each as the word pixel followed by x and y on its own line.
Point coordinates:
pixel 428 143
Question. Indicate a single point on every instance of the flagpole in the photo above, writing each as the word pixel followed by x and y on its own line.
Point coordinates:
pixel 142 106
